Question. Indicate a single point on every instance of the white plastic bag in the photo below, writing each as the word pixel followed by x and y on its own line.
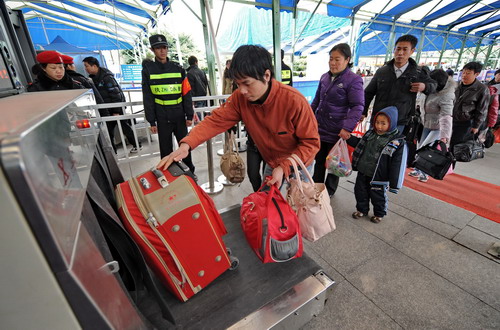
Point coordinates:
pixel 337 161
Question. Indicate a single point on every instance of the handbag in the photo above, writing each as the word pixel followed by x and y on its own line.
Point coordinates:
pixel 231 164
pixel 311 202
pixel 434 159
pixel 469 150
pixel 270 226
pixel 338 162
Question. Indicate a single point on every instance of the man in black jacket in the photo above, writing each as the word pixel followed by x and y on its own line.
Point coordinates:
pixel 111 92
pixel 471 105
pixel 198 80
pixel 167 97
pixel 398 82
pixel 69 66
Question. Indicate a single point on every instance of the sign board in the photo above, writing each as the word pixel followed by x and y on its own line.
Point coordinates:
pixel 131 72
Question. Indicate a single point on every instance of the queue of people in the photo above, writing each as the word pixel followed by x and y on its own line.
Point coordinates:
pixel 450 113
pixel 280 122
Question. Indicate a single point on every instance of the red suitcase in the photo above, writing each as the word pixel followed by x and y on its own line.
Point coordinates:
pixel 178 229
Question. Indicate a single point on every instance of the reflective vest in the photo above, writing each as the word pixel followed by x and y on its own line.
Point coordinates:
pixel 286 77
pixel 167 87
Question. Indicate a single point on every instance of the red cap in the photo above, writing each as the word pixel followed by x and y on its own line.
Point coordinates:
pixel 49 56
pixel 67 59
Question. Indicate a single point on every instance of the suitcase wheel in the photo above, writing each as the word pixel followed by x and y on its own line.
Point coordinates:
pixel 235 262
pixel 228 250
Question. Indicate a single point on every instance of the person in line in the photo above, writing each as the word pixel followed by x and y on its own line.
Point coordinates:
pixel 69 66
pixel 398 82
pixel 167 98
pixel 338 106
pixel 496 78
pixel 472 99
pixel 111 92
pixel 380 159
pixel 437 115
pixel 286 71
pixel 228 85
pixel 50 74
pixel 198 81
pixel 492 117
pixel 277 116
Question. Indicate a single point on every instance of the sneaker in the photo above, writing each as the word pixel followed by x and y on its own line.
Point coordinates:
pixel 135 150
pixel 423 177
pixel 415 173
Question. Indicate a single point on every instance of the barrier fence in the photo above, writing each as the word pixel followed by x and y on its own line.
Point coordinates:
pixel 133 110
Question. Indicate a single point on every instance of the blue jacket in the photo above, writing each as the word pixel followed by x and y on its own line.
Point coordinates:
pixel 391 159
pixel 338 104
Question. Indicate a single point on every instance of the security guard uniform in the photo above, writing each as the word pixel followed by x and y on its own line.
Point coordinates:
pixel 286 74
pixel 167 102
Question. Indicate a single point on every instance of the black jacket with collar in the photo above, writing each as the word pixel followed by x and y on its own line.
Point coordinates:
pixel 198 81
pixel 44 83
pixel 471 103
pixel 391 91
pixel 109 89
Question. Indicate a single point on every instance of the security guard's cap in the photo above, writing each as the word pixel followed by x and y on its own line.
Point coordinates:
pixel 158 40
pixel 49 56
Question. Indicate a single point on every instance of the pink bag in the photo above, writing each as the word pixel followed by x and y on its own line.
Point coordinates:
pixel 311 202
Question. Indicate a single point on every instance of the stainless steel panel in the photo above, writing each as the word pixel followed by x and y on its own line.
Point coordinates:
pixel 88 265
pixel 292 309
pixel 40 154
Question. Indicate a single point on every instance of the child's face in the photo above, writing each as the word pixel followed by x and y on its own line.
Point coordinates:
pixel 382 124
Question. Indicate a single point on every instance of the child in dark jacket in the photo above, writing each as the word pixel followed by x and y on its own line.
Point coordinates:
pixel 380 159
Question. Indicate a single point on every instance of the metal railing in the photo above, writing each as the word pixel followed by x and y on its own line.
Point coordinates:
pixel 133 110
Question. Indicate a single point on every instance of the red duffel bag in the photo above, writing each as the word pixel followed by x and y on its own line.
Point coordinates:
pixel 271 226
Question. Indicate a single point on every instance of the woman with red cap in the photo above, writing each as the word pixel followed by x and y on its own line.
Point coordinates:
pixel 52 75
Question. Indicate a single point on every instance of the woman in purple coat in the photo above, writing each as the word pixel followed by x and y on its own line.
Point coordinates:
pixel 338 105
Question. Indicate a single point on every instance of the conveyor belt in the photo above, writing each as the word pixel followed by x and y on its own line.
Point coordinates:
pixel 240 292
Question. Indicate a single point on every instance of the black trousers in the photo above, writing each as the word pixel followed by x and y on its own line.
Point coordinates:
pixel 461 132
pixel 332 181
pixel 127 131
pixel 364 192
pixel 165 131
pixel 255 166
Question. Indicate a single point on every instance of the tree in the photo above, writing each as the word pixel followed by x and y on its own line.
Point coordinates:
pixel 299 65
pixel 188 48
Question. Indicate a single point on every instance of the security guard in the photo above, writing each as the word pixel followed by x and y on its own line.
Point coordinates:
pixel 167 97
pixel 286 72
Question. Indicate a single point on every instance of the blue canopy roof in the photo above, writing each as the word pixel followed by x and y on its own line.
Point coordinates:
pixel 444 24
pixel 93 24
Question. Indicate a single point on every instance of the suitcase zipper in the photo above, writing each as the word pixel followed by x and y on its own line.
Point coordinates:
pixel 177 283
pixel 153 223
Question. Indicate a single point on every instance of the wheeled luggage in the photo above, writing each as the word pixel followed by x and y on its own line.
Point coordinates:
pixel 270 225
pixel 177 228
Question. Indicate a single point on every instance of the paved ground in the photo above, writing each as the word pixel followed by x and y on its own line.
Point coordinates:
pixel 425 266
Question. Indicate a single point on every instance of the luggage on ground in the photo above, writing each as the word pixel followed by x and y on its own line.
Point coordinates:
pixel 271 226
pixel 177 228
pixel 469 150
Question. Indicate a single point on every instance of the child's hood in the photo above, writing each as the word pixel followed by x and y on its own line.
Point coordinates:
pixel 392 113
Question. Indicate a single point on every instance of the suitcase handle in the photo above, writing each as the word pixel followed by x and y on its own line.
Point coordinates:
pixel 162 180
